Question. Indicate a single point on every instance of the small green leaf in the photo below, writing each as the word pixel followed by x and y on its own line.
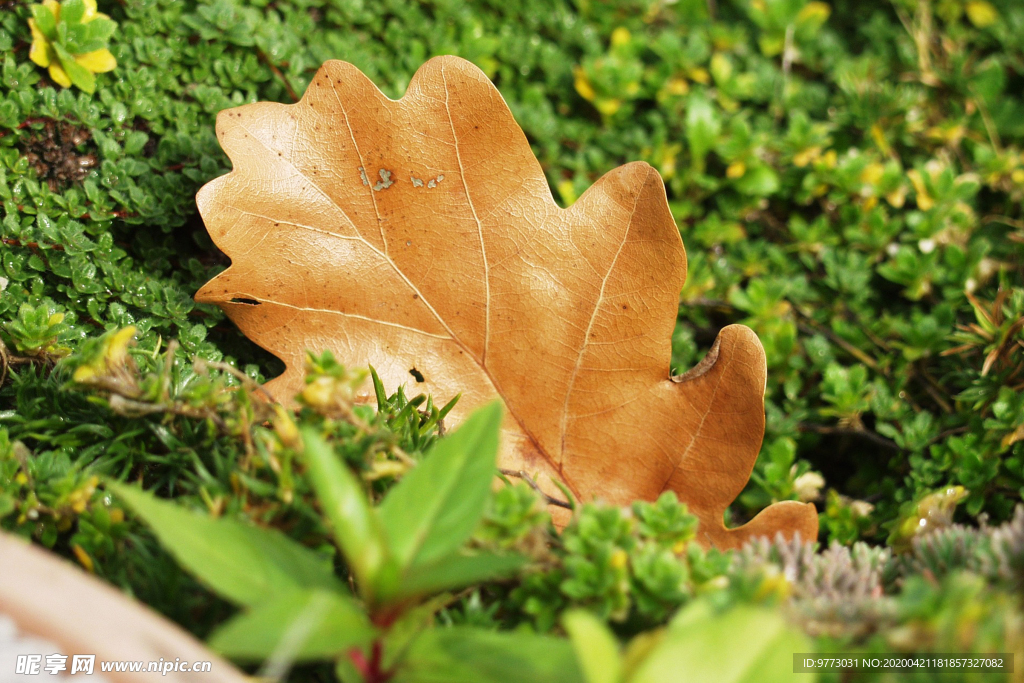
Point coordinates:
pixel 101 29
pixel 702 128
pixel 79 75
pixel 378 389
pixel 298 626
pixel 45 21
pixel 72 11
pixel 456 571
pixel 443 413
pixel 749 645
pixel 597 651
pixel 84 38
pixel 469 655
pixel 404 631
pixel 759 181
pixel 75 36
pixel 435 507
pixel 356 528
pixel 245 564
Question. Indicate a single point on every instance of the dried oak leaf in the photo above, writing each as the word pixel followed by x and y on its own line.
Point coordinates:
pixel 420 236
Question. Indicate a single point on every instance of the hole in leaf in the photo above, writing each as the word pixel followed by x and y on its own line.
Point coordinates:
pixel 417 374
pixel 247 302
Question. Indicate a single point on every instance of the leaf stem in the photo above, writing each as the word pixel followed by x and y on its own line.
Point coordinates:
pixel 520 474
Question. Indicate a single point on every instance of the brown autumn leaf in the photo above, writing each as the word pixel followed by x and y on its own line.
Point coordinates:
pixel 420 236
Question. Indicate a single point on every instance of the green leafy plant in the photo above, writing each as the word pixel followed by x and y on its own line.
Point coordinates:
pixel 400 553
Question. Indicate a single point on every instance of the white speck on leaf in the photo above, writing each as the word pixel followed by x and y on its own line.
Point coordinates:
pixel 362 174
pixel 385 180
pixel 431 183
pixel 416 182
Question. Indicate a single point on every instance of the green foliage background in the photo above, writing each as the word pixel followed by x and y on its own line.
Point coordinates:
pixel 847 179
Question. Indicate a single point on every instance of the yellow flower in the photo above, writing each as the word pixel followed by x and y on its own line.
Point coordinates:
pixel 608 106
pixel 98 61
pixel 814 14
pixel 806 156
pixel 982 14
pixel 45 54
pixel 582 83
pixel 736 169
pixel 83 558
pixel 924 200
pixel 619 559
pixel 872 173
pixel 42 52
pixel 897 197
pixel 677 86
pixel 621 36
pixel 700 75
pixel 112 356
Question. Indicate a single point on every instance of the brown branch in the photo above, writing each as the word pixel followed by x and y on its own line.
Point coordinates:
pixel 200 365
pixel 948 433
pixel 122 405
pixel 1005 220
pixel 7 359
pixel 848 431
pixel 520 474
pixel 277 72
pixel 934 389
pixel 864 358
pixel 11 242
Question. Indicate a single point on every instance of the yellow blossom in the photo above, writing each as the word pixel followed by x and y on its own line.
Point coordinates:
pixel 608 106
pixel 924 200
pixel 736 170
pixel 98 61
pixel 872 173
pixel 677 86
pixel 83 558
pixel 667 167
pixel 619 559
pixel 285 427
pixel 700 75
pixel 620 36
pixel 879 137
pixel 774 584
pixel 982 14
pixel 45 53
pixel 567 192
pixel 814 14
pixel 806 156
pixel 897 197
pixel 582 83
pixel 112 357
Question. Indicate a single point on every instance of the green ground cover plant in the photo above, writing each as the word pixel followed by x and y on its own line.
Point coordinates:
pixel 848 181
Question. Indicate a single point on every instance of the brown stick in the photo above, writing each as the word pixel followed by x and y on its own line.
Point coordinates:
pixel 520 474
